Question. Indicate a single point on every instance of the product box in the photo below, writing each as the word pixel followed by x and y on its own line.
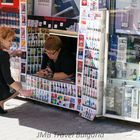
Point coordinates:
pixel 135 103
pixel 119 70
pixel 112 55
pixel 132 71
pixel 110 100
pixel 127 20
pixel 133 49
pixel 122 49
pixel 112 71
pixel 127 100
pixel 102 4
pixel 88 113
pixel 43 8
pixel 94 4
pixel 118 100
pixel 138 103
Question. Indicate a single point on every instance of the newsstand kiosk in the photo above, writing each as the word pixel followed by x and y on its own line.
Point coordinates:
pixel 81 24
pixel 104 37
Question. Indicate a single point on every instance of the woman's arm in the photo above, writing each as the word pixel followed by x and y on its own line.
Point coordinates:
pixel 23 92
pixel 60 76
pixel 6 73
pixel 16 85
pixel 15 53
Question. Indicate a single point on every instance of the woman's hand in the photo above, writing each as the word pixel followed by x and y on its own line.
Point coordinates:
pixel 16 53
pixel 48 69
pixel 46 73
pixel 42 73
pixel 26 93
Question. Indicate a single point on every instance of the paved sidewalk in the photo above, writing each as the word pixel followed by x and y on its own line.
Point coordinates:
pixel 27 120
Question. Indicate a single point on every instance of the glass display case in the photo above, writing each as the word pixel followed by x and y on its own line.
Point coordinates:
pixel 122 97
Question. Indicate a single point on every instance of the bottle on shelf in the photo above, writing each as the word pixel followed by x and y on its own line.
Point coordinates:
pixel 134 75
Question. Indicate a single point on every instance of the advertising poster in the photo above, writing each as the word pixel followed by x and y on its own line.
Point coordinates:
pixel 127 19
pixel 63 8
pixel 11 5
pixel 57 8
pixel 7 1
pixel 43 8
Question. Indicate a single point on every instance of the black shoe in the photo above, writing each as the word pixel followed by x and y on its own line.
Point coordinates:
pixel 2 111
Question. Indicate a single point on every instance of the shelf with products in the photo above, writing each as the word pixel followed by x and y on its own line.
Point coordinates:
pixel 60 25
pixel 64 88
pixel 123 101
pixel 10 19
pixel 122 82
pixel 36 39
pixel 122 87
pixel 126 71
pixel 122 98
pixel 124 48
pixel 89 102
pixel 90 92
pixel 33 56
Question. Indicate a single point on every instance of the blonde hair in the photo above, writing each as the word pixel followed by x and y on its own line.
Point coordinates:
pixel 5 32
pixel 53 43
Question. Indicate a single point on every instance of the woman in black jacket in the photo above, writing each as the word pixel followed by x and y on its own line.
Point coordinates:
pixel 6 81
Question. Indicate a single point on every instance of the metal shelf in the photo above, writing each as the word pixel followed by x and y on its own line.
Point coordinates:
pixel 122 118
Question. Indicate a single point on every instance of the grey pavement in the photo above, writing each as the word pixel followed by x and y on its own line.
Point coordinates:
pixel 28 120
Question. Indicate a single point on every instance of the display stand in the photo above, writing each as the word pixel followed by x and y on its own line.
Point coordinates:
pixel 90 57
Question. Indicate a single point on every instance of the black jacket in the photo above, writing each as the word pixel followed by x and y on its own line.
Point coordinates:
pixel 5 75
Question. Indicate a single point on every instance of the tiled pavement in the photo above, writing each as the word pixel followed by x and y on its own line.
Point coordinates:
pixel 27 120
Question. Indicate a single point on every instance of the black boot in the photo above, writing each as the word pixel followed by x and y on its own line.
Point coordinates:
pixel 2 111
